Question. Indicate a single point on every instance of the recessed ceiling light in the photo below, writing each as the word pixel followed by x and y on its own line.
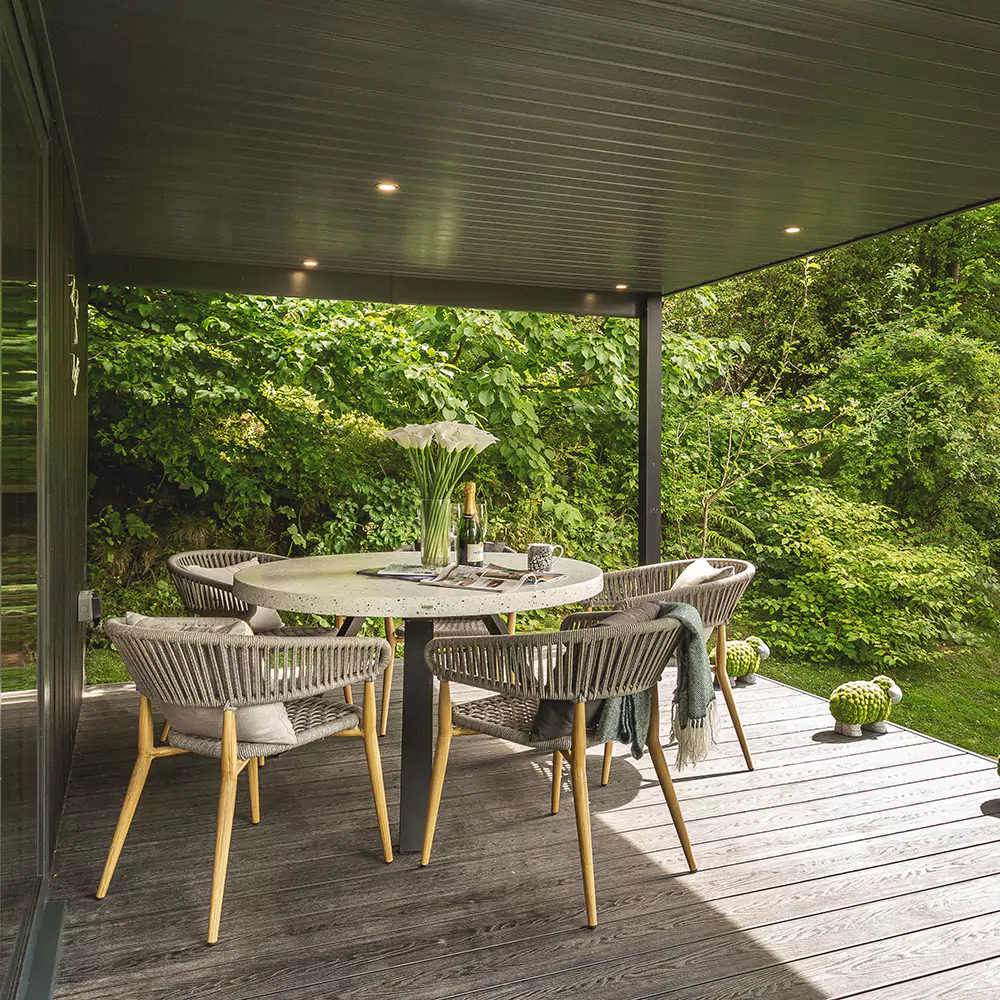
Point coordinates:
pixel 387 187
pixel 621 286
pixel 309 262
pixel 793 229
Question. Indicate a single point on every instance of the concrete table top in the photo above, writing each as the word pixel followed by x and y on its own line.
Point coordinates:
pixel 331 585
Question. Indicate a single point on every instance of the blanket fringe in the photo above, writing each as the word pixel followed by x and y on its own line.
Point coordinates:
pixel 695 742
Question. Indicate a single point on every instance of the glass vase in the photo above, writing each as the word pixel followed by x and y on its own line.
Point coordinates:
pixel 435 532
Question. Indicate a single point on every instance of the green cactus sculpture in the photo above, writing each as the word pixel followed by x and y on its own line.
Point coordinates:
pixel 743 658
pixel 863 706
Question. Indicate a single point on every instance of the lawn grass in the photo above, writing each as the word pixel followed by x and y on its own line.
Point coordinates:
pixel 19 678
pixel 955 698
pixel 104 666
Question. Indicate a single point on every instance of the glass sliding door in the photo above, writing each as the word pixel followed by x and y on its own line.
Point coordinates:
pixel 20 173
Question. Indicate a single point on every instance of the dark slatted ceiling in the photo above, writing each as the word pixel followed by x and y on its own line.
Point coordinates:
pixel 574 143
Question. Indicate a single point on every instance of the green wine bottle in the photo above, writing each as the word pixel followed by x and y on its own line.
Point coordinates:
pixel 470 532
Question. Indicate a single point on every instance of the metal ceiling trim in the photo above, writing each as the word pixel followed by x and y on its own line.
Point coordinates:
pixel 259 279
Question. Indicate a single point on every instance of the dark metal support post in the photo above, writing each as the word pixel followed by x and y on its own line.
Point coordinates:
pixel 650 426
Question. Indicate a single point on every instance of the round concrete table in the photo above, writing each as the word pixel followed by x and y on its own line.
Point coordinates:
pixel 331 585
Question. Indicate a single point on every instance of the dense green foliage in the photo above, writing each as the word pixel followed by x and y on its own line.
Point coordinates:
pixel 835 419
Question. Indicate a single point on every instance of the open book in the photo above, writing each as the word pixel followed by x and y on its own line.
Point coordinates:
pixel 488 577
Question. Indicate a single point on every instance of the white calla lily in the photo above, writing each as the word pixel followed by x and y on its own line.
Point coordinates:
pixel 421 434
pixel 439 454
pixel 401 436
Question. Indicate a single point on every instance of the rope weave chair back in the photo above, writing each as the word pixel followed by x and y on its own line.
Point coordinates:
pixel 202 669
pixel 582 665
pixel 716 601
pixel 201 597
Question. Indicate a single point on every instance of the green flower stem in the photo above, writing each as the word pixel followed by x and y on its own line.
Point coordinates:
pixel 437 473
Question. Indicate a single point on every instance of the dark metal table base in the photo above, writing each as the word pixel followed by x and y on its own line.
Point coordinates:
pixel 418 729
pixel 418 735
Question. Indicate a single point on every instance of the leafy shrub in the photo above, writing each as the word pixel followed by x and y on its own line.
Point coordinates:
pixel 925 430
pixel 843 579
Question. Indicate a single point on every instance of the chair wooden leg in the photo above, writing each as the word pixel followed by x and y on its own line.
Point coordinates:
pixel 557 770
pixel 140 771
pixel 606 768
pixel 727 693
pixel 165 732
pixel 666 784
pixel 224 824
pixel 348 695
pixel 390 634
pixel 581 802
pixel 512 623
pixel 261 761
pixel 440 766
pixel 375 768
pixel 254 781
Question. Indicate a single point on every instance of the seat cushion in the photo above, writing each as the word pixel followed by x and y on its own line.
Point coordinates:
pixel 700 571
pixel 224 626
pixel 510 719
pixel 254 723
pixel 265 620
pixel 554 718
pixel 311 719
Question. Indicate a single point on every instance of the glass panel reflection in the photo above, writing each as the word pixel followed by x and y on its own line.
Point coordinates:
pixel 19 186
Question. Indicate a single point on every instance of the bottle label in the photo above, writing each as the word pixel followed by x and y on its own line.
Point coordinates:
pixel 476 553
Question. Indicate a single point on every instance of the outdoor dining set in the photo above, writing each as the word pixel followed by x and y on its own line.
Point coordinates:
pixel 233 681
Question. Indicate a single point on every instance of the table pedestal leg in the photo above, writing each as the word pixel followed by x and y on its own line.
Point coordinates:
pixel 418 735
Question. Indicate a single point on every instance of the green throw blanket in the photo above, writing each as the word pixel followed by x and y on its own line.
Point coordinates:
pixel 694 717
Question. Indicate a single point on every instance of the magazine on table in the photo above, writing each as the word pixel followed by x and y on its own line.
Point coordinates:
pixel 489 577
pixel 401 571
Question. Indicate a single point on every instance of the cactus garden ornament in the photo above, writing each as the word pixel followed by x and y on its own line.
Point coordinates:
pixel 863 706
pixel 743 658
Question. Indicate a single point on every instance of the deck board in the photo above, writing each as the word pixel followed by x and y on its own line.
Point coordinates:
pixel 835 868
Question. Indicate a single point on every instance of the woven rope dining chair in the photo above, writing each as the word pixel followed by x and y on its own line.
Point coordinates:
pixel 216 598
pixel 580 665
pixel 442 627
pixel 716 601
pixel 200 669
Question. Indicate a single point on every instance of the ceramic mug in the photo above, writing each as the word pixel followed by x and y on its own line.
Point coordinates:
pixel 541 556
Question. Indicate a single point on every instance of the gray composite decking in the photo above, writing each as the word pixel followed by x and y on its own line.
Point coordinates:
pixel 867 868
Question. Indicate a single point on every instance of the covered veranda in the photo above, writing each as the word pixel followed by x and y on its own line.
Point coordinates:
pixel 554 156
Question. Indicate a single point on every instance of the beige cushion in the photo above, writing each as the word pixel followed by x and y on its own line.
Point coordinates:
pixel 265 620
pixel 700 571
pixel 254 723
pixel 228 626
